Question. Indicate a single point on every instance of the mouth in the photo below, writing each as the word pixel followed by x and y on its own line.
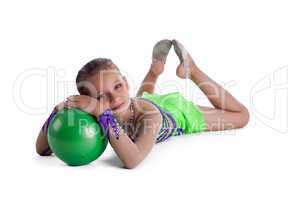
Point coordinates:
pixel 118 107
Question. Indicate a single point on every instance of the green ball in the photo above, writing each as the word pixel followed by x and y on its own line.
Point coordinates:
pixel 75 137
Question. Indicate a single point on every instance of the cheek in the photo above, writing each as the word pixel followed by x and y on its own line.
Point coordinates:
pixel 124 91
pixel 104 102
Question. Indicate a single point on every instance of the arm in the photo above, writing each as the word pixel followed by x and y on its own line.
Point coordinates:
pixel 82 102
pixel 41 145
pixel 130 153
pixel 148 125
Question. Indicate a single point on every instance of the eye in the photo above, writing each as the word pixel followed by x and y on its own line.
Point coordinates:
pixel 118 86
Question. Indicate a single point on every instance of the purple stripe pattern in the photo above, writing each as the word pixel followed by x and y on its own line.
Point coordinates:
pixel 107 118
pixel 166 131
pixel 48 121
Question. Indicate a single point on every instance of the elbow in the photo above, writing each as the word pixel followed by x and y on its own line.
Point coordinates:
pixel 132 163
pixel 43 151
pixel 38 152
pixel 38 149
pixel 130 166
pixel 41 145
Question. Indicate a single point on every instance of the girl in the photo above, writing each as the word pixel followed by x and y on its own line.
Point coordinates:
pixel 149 118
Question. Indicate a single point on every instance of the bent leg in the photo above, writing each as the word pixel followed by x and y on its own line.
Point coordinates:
pixel 217 119
pixel 148 84
pixel 159 55
pixel 228 112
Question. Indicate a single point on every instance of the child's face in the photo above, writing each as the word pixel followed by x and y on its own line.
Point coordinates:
pixel 111 88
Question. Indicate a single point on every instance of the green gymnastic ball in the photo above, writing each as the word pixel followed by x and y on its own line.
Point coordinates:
pixel 75 137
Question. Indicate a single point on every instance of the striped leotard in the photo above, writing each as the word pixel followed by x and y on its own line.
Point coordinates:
pixel 169 127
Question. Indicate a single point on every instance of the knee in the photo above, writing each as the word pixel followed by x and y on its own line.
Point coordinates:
pixel 244 117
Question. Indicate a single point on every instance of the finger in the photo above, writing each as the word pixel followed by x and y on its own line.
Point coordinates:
pixel 73 98
pixel 60 106
pixel 69 104
pixel 66 105
pixel 57 107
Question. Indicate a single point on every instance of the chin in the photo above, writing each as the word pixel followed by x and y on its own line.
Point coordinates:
pixel 121 108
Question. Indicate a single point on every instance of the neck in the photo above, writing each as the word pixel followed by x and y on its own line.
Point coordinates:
pixel 125 116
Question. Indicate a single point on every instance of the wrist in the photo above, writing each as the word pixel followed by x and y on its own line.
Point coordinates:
pixel 100 109
pixel 104 120
pixel 107 120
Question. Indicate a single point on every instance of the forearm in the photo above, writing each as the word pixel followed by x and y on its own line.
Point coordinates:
pixel 125 148
pixel 42 146
pixel 148 84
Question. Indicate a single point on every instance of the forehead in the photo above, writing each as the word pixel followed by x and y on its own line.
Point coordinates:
pixel 105 79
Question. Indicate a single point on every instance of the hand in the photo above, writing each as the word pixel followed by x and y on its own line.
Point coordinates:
pixel 59 106
pixel 87 104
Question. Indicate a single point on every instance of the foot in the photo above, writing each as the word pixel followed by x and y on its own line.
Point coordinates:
pixel 187 65
pixel 159 56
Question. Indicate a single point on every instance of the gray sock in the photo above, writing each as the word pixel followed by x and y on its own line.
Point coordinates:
pixel 161 50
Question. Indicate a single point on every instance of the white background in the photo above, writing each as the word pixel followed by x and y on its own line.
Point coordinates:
pixel 251 47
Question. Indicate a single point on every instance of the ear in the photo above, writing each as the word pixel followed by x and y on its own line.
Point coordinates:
pixel 126 82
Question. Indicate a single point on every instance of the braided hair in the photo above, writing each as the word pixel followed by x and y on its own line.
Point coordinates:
pixel 91 68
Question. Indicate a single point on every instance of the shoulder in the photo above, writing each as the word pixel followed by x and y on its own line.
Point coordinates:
pixel 146 110
pixel 148 122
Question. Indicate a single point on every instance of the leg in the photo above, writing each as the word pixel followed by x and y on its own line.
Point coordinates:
pixel 159 56
pixel 148 83
pixel 227 113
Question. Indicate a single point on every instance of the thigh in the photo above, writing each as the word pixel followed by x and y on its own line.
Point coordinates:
pixel 217 119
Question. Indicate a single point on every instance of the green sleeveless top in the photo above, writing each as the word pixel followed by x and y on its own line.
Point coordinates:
pixel 175 109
